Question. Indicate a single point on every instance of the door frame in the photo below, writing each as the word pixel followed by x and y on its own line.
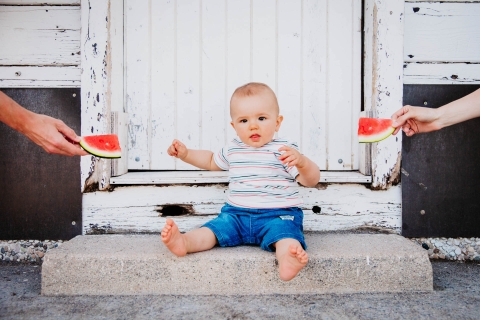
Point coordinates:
pixel 102 84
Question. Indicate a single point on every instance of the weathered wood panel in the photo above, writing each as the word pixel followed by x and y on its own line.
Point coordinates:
pixel 136 209
pixel 195 53
pixel 40 2
pixel 441 73
pixel 40 35
pixel 383 81
pixel 102 80
pixel 40 77
pixel 40 194
pixel 195 177
pixel 442 32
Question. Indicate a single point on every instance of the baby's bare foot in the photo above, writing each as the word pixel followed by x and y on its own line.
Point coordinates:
pixel 173 239
pixel 294 260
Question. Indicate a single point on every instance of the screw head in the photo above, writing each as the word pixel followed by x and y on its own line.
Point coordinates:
pixel 73 223
pixel 340 161
pixel 18 73
pixel 422 212
pixel 137 159
pixel 425 103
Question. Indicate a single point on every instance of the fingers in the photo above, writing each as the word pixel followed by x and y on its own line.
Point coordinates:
pixel 67 131
pixel 401 116
pixel 176 149
pixel 69 145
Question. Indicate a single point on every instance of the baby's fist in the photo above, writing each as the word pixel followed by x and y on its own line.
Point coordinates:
pixel 177 149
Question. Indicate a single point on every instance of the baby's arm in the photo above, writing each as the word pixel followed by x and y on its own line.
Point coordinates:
pixel 202 159
pixel 308 171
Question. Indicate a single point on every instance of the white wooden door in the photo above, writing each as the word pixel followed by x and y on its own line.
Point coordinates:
pixel 184 59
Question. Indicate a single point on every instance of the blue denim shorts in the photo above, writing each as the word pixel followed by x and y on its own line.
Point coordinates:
pixel 243 226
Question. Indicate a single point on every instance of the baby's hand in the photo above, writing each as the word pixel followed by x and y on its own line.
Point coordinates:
pixel 291 157
pixel 178 150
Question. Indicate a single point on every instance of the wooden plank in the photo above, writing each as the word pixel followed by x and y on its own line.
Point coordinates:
pixel 442 32
pixel 441 73
pixel 314 81
pixel 44 36
pixel 163 83
pixel 289 69
pixel 188 37
pixel 136 209
pixel 197 177
pixel 357 16
pixel 40 77
pixel 340 86
pixel 214 119
pixel 138 82
pixel 238 53
pixel 119 124
pixel 383 81
pixel 264 43
pixel 40 2
pixel 99 33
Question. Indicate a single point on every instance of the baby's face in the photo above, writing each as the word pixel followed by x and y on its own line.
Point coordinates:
pixel 255 118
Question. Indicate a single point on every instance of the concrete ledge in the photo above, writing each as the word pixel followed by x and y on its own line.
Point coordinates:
pixel 140 264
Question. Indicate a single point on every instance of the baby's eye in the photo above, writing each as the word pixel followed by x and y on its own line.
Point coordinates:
pixel 243 121
pixel 262 118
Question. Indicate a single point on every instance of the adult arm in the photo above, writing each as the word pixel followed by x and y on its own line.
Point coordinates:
pixel 414 120
pixel 51 134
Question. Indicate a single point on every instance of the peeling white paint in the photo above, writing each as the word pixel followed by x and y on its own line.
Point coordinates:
pixel 383 89
pixel 134 209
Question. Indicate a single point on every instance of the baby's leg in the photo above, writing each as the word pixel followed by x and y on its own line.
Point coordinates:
pixel 182 243
pixel 291 258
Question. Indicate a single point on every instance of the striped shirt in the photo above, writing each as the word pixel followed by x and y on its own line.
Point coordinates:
pixel 257 179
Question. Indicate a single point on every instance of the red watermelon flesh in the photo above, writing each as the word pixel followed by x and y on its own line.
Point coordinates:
pixel 103 146
pixel 374 130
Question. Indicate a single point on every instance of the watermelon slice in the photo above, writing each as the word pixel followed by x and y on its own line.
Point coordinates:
pixel 374 130
pixel 103 146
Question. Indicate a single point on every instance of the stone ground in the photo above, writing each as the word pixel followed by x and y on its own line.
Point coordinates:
pixel 456 296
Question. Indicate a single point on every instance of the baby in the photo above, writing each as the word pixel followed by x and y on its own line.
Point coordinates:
pixel 262 208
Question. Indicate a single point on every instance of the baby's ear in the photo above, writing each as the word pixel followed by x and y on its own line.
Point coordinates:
pixel 279 122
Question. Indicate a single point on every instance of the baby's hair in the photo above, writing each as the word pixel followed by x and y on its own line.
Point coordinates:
pixel 251 89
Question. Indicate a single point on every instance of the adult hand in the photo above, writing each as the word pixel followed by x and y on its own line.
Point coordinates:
pixel 53 135
pixel 414 120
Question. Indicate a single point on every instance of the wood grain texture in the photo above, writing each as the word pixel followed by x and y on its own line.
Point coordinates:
pixel 136 209
pixel 40 35
pixel 383 81
pixel 441 73
pixel 40 77
pixel 198 52
pixel 442 32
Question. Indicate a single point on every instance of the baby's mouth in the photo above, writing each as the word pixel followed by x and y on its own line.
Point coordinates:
pixel 255 137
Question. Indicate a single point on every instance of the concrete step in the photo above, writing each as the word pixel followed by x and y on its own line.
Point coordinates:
pixel 140 264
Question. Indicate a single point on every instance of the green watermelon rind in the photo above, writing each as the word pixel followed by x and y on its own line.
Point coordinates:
pixel 377 137
pixel 100 153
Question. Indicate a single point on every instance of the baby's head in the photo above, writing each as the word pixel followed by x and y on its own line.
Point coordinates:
pixel 255 114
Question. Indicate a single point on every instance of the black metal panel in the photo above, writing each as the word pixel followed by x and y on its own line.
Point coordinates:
pixel 441 171
pixel 40 193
